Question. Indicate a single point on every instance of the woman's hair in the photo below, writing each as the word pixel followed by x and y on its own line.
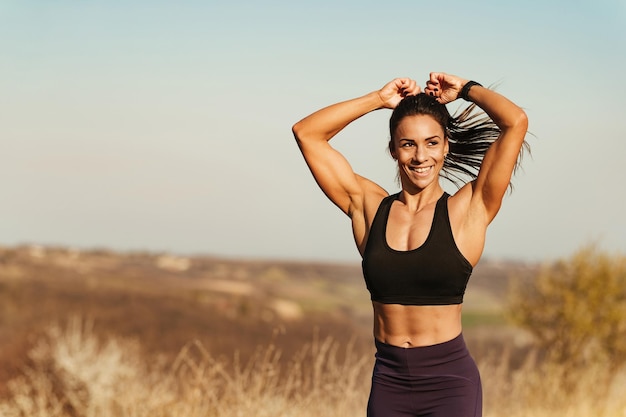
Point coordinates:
pixel 469 134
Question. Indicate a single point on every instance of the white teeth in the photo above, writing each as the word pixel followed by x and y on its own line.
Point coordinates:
pixel 420 170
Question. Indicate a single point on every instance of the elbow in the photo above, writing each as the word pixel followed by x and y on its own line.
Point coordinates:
pixel 520 122
pixel 515 122
pixel 296 129
pixel 303 133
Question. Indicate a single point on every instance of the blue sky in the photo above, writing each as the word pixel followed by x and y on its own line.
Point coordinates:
pixel 165 126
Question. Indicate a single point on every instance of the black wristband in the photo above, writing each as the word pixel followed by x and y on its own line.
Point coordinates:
pixel 466 88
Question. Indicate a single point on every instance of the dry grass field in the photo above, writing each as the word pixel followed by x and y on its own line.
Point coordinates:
pixel 99 333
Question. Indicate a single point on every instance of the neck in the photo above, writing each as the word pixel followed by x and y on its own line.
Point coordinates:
pixel 415 200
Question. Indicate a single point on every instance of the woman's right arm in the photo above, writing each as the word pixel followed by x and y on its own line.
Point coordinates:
pixel 331 170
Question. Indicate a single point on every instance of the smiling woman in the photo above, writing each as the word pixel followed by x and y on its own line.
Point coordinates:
pixel 419 246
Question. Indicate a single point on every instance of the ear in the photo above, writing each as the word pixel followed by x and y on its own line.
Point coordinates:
pixel 392 150
pixel 446 147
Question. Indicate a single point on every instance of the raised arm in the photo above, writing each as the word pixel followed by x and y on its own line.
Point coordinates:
pixel 331 170
pixel 499 162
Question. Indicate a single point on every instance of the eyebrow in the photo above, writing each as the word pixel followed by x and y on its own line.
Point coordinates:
pixel 425 139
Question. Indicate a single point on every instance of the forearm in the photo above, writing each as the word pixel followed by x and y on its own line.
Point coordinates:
pixel 327 122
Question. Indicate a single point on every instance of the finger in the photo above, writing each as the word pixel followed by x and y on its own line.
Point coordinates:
pixel 409 87
pixel 436 76
pixel 432 84
pixel 398 83
pixel 432 89
pixel 414 91
pixel 413 88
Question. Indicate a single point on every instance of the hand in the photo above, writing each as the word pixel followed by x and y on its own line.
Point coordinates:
pixel 395 90
pixel 445 87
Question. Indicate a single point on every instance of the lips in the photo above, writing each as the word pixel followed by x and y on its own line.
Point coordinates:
pixel 421 170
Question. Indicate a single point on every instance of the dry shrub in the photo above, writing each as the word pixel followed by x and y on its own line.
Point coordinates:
pixel 72 373
pixel 576 308
pixel 576 311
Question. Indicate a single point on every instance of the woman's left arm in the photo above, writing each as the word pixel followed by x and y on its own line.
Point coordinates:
pixel 499 162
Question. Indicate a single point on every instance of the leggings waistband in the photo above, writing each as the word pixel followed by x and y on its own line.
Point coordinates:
pixel 422 356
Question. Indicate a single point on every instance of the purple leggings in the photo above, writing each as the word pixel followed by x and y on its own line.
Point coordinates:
pixel 441 380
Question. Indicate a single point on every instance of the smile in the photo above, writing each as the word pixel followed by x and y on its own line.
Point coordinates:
pixel 423 170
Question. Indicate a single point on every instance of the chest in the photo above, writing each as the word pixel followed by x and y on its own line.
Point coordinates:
pixel 407 231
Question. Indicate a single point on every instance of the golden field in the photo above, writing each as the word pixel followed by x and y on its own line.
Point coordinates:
pixel 99 333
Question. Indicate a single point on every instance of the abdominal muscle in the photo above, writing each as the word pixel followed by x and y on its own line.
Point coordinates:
pixel 413 326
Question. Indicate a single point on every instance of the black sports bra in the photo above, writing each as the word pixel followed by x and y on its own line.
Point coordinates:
pixel 435 273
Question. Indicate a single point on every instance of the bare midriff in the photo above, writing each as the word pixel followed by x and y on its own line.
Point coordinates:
pixel 412 326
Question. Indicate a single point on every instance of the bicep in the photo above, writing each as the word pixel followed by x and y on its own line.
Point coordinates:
pixel 333 174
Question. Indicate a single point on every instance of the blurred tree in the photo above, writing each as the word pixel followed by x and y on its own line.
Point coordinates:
pixel 576 308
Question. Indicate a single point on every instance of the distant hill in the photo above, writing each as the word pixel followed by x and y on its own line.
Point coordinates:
pixel 165 301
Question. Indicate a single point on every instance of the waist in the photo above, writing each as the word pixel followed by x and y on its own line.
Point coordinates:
pixel 415 326
pixel 422 356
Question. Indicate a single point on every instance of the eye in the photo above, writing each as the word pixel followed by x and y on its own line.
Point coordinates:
pixel 406 144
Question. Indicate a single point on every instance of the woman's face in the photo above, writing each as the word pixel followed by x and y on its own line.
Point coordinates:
pixel 419 145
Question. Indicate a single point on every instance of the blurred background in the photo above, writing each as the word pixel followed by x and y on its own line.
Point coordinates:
pixel 164 250
pixel 166 126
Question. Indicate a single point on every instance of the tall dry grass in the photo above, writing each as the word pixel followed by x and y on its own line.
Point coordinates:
pixel 72 372
pixel 542 388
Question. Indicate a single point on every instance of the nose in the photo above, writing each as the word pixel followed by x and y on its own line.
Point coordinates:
pixel 420 155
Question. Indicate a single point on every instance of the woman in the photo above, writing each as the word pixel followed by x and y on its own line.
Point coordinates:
pixel 419 246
